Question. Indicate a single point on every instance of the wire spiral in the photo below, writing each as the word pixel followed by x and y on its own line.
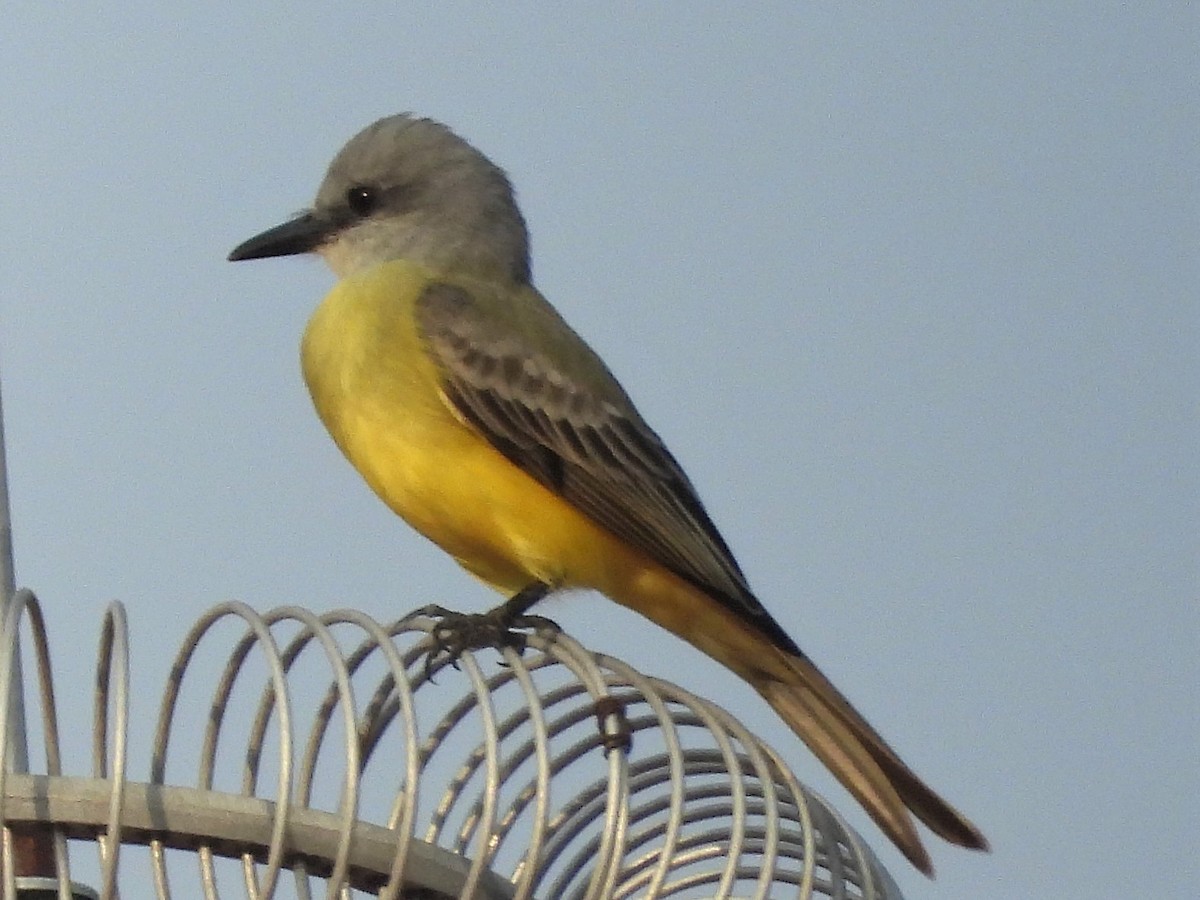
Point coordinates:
pixel 328 754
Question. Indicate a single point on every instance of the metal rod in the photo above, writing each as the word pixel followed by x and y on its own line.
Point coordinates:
pixel 16 754
pixel 33 861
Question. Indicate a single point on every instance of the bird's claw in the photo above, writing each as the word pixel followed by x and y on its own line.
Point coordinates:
pixel 457 633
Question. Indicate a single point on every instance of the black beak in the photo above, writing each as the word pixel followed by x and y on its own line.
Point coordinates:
pixel 300 235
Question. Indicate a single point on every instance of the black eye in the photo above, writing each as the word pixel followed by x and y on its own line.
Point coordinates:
pixel 362 199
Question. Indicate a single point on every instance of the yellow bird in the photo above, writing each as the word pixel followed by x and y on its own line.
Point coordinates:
pixel 476 413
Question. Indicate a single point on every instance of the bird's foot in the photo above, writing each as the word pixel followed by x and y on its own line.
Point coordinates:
pixel 457 633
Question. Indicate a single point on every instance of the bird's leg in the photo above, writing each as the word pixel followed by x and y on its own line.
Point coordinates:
pixel 516 606
pixel 456 633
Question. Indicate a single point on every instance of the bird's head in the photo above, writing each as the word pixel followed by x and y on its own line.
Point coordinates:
pixel 407 188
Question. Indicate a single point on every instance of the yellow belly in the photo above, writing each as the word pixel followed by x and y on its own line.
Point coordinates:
pixel 379 394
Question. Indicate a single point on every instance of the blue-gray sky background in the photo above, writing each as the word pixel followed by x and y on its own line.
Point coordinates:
pixel 911 293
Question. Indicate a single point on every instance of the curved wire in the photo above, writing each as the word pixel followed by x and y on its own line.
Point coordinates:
pixel 555 772
pixel 257 633
pixel 114 642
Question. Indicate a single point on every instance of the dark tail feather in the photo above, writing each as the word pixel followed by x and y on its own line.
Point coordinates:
pixel 843 740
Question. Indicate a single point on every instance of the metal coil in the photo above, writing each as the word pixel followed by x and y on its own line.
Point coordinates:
pixel 325 754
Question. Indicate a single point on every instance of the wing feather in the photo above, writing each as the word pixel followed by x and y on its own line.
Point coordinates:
pixel 579 435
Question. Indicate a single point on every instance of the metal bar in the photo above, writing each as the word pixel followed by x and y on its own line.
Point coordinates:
pixel 32 848
pixel 16 754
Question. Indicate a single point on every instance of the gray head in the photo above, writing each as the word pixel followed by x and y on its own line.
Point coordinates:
pixel 408 188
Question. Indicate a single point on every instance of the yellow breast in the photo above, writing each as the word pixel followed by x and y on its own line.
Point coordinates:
pixel 378 392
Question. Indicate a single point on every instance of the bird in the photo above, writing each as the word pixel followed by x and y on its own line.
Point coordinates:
pixel 477 414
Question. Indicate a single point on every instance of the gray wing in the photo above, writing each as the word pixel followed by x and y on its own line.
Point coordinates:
pixel 564 420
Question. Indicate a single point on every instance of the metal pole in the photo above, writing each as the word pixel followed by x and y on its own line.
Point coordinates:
pixel 34 863
pixel 32 849
pixel 16 754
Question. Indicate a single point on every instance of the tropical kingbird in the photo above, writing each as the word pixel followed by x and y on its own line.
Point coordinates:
pixel 476 413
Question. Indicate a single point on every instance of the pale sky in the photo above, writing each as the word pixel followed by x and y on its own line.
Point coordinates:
pixel 911 294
